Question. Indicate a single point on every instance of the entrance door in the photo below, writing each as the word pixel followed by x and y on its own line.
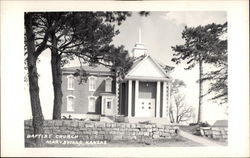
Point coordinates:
pixel 145 108
pixel 108 106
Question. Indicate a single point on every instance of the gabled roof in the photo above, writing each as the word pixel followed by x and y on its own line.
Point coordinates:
pixel 96 68
pixel 137 61
pixel 221 123
pixel 142 60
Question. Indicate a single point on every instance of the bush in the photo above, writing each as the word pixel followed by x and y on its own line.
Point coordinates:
pixel 67 118
pixel 192 124
pixel 203 124
pixel 200 124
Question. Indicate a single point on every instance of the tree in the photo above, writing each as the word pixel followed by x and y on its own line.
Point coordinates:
pixel 61 32
pixel 89 40
pixel 119 63
pixel 203 45
pixel 33 51
pixel 178 110
pixel 37 34
pixel 40 29
pixel 183 112
pixel 218 84
pixel 86 35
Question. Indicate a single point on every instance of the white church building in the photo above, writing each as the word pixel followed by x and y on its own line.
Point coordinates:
pixel 145 90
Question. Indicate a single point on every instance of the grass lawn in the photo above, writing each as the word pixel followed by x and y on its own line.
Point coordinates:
pixel 175 142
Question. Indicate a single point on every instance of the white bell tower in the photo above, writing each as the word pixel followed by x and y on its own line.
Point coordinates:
pixel 139 48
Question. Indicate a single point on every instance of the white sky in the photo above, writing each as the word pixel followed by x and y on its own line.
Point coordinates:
pixel 160 31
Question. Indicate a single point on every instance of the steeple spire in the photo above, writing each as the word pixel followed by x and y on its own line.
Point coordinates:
pixel 139 48
pixel 140 35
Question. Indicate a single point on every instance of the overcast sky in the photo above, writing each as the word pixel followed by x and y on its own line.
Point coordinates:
pixel 160 31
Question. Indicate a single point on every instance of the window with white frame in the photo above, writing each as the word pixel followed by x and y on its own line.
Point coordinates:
pixel 70 82
pixel 70 103
pixel 92 100
pixel 92 83
pixel 108 103
pixel 108 84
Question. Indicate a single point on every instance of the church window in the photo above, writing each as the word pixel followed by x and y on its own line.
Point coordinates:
pixel 91 107
pixel 92 83
pixel 108 103
pixel 108 84
pixel 70 103
pixel 70 82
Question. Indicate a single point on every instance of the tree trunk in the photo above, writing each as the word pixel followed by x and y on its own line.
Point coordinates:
pixel 178 119
pixel 177 111
pixel 171 115
pixel 33 77
pixel 34 96
pixel 57 80
pixel 200 92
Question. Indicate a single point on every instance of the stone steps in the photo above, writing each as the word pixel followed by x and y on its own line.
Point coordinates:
pixel 106 119
pixel 145 119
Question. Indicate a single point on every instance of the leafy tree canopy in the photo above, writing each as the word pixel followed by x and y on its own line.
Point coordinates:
pixel 206 44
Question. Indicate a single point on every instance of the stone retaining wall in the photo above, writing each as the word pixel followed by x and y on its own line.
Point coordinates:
pixel 104 131
pixel 214 132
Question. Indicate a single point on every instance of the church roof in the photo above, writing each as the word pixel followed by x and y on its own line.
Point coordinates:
pixel 221 123
pixel 137 61
pixel 96 68
pixel 155 71
pixel 150 68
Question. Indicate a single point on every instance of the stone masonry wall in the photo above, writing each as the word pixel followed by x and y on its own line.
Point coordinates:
pixel 104 131
pixel 215 132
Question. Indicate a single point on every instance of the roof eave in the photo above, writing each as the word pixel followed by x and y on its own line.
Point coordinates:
pixel 146 78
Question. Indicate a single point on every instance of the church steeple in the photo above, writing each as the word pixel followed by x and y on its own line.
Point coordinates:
pixel 139 48
pixel 140 35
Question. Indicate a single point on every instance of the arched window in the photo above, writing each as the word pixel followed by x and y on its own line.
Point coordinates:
pixel 91 107
pixel 108 84
pixel 92 83
pixel 70 103
pixel 70 82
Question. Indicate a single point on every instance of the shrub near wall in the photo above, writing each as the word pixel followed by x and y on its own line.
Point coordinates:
pixel 90 131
